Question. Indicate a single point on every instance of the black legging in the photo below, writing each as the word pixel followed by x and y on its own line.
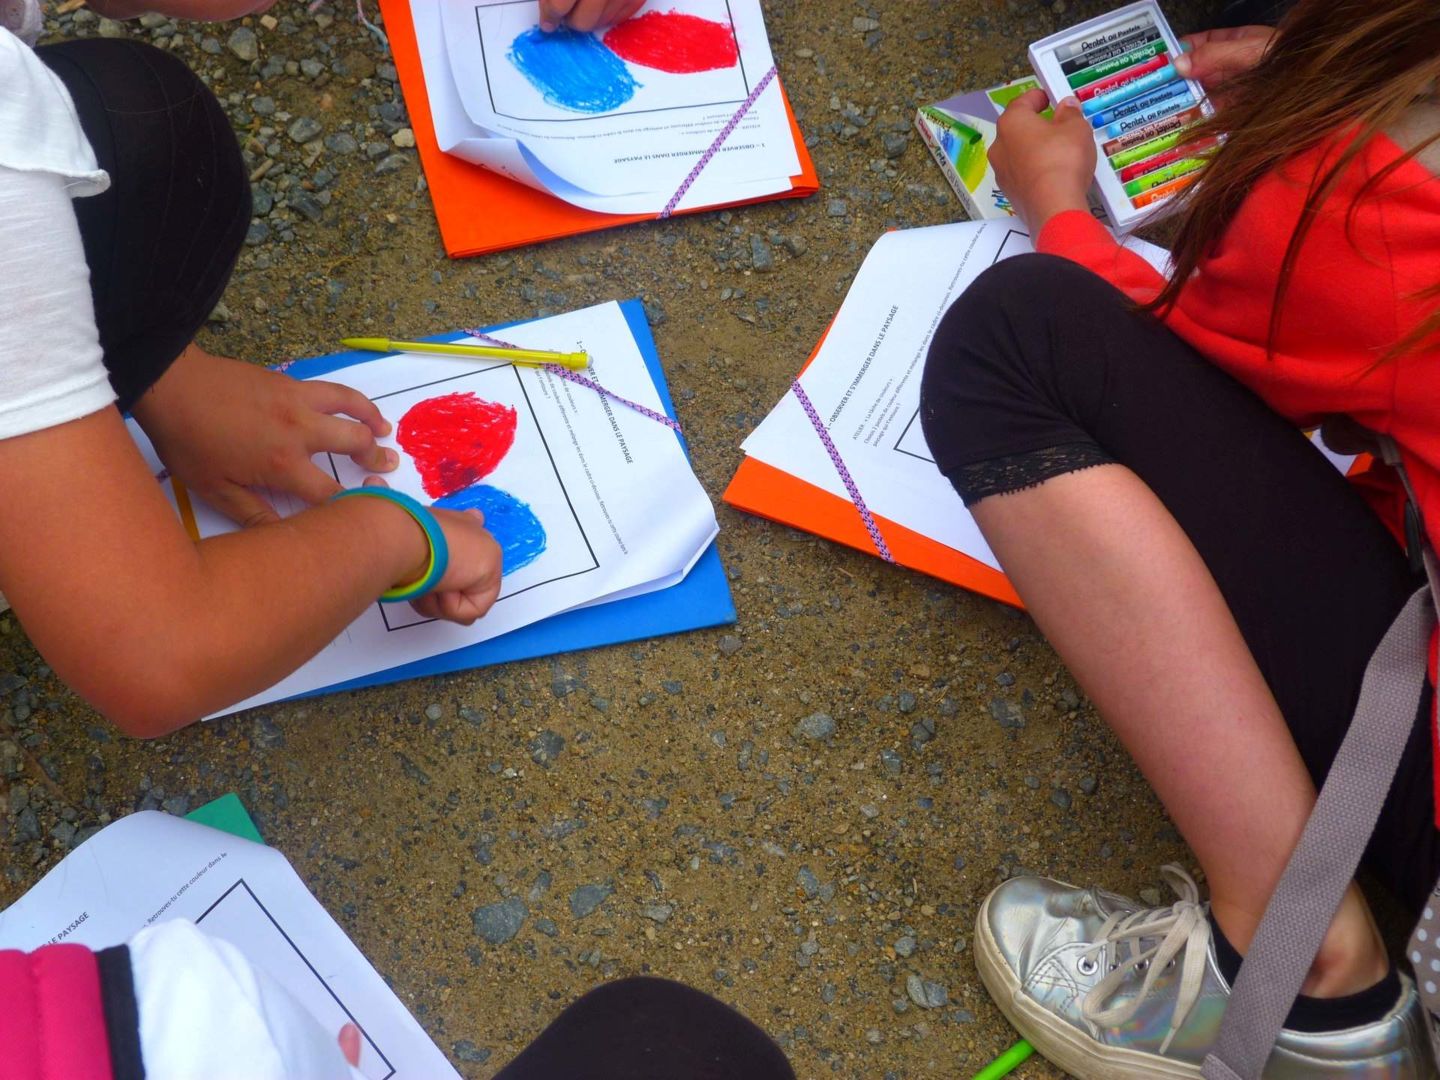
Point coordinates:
pixel 162 241
pixel 649 1029
pixel 1042 368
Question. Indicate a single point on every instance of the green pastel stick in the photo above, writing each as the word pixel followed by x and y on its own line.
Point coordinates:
pixel 1118 64
pixel 1148 149
pixel 1163 176
pixel 1007 1062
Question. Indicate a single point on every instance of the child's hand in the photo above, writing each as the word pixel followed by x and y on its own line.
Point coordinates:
pixel 1043 166
pixel 1219 55
pixel 585 15
pixel 225 428
pixel 472 578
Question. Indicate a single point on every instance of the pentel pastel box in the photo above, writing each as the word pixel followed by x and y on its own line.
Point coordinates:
pixel 1141 111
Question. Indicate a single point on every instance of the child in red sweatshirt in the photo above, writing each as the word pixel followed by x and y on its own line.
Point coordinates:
pixel 1213 582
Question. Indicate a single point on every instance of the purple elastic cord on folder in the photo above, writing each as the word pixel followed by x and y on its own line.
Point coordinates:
pixel 725 133
pixel 566 373
pixel 845 477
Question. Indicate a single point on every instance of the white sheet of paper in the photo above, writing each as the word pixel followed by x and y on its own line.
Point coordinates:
pixel 629 158
pixel 150 867
pixel 621 511
pixel 865 381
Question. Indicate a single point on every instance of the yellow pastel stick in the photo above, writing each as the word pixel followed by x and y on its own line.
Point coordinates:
pixel 576 361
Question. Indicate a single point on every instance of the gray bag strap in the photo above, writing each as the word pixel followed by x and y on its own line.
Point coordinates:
pixel 1324 861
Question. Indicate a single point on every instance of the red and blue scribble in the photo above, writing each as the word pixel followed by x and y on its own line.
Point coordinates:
pixel 581 73
pixel 572 70
pixel 514 525
pixel 675 42
pixel 456 440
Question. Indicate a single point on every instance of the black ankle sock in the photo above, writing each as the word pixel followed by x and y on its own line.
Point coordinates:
pixel 1314 1014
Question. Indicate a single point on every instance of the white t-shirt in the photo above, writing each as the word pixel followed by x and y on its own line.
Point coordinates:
pixel 51 370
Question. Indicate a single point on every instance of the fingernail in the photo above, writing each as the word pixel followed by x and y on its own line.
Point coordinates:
pixel 548 25
pixel 389 427
pixel 392 459
pixel 1071 102
pixel 1183 64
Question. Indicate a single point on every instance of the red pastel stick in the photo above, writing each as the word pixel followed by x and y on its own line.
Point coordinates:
pixel 1085 93
pixel 1165 157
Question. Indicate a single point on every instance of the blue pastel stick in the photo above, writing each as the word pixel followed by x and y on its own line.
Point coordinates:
pixel 1142 85
pixel 1154 105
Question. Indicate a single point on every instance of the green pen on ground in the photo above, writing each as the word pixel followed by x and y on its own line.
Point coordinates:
pixel 1007 1062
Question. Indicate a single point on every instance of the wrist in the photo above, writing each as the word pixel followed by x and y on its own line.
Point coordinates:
pixel 425 561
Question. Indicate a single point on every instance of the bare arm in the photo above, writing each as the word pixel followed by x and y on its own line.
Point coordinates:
pixel 155 630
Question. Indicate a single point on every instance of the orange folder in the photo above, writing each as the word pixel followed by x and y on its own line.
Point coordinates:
pixel 480 211
pixel 772 493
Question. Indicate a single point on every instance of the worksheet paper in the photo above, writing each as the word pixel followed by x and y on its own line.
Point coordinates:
pixel 589 500
pixel 150 867
pixel 591 119
pixel 865 380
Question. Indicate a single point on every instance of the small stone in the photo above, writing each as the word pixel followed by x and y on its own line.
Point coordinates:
pixel 262 200
pixel 585 899
pixel 263 106
pixel 1088 784
pixel 827 993
pixel 816 726
pixel 1150 897
pixel 27 825
pixel 864 24
pixel 404 138
pixel 547 927
pixel 341 142
pixel 762 258
pixel 433 712
pixel 258 233
pixel 729 645
pixel 905 701
pixel 895 143
pixel 905 946
pixel 546 747
pixel 311 68
pixel 837 208
pixel 796 245
pixel 1061 798
pixel 468 1052
pixel 809 883
pixel 393 163
pixel 243 42
pixel 303 129
pixel 499 923
pixel 926 994
pixel 891 761
pixel 659 913
pixel 873 1036
pixel 62 834
pixel 307 205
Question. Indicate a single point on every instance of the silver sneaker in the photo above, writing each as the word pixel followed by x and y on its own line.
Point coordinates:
pixel 1108 990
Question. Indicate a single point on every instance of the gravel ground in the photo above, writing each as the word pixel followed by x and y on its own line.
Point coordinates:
pixel 800 813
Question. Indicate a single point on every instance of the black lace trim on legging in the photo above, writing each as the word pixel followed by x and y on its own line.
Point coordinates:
pixel 1016 472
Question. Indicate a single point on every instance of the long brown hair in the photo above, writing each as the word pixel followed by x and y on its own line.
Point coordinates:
pixel 1334 65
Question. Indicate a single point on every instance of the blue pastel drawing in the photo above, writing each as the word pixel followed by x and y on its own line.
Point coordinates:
pixel 572 70
pixel 513 524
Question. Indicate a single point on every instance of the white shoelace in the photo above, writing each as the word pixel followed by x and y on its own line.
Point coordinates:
pixel 1180 928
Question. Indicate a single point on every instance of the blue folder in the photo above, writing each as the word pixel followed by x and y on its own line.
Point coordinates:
pixel 701 600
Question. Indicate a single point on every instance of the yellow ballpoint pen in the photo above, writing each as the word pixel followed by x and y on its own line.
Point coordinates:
pixel 575 361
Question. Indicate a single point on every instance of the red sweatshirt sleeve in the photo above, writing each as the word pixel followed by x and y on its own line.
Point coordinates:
pixel 1077 236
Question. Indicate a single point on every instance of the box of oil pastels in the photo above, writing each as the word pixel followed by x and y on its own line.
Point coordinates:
pixel 1143 113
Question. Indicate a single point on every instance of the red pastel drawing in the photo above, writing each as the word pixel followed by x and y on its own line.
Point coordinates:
pixel 456 440
pixel 675 42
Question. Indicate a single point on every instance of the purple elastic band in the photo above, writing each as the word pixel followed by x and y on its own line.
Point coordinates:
pixel 591 384
pixel 725 133
pixel 845 477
